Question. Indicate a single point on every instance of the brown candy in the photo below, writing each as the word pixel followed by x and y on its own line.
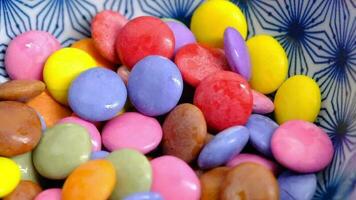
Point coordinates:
pixel 184 132
pixel 25 190
pixel 21 90
pixel 211 183
pixel 20 128
pixel 249 181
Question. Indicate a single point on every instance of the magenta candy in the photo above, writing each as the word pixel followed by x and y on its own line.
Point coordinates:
pixel 174 179
pixel 246 157
pixel 302 146
pixel 182 34
pixel 261 103
pixel 50 194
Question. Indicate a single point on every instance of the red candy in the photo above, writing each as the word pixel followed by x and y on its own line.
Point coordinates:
pixel 144 36
pixel 197 62
pixel 105 27
pixel 225 98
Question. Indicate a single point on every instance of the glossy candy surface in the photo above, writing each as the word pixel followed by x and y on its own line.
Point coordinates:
pixel 246 157
pixel 297 186
pixel 9 176
pixel 50 194
pixel 211 182
pixel 261 103
pixel 21 90
pixel 182 34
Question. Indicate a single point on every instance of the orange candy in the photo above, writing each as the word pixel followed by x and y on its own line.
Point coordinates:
pixel 93 180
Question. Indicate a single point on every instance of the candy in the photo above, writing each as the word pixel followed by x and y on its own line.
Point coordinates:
pixel 133 173
pixel 62 67
pixel 9 176
pixel 98 155
pixel 182 34
pixel 24 162
pixel 138 39
pixel 196 62
pixel 297 186
pixel 155 85
pixel 174 179
pixel 61 149
pixel 261 130
pixel 105 29
pixel 237 53
pixel 123 132
pixel 223 147
pixel 82 183
pixel 27 53
pixel 211 183
pixel 269 63
pixel 249 181
pixel 298 98
pixel 20 128
pixel 225 99
pixel 145 196
pixel 251 158
pixel 124 73
pixel 25 190
pixel 42 120
pixel 50 194
pixel 92 130
pixel 302 146
pixel 20 90
pixel 261 103
pixel 211 18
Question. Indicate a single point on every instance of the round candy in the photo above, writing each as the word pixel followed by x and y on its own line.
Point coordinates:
pixel 62 67
pixel 21 90
pixel 251 158
pixel 27 53
pixel 82 183
pixel 225 98
pixel 249 181
pixel 20 128
pixel 91 128
pixel 144 196
pixel 298 98
pixel 123 132
pixel 98 155
pixel 61 149
pixel 50 194
pixel 124 73
pixel 211 18
pixel 261 103
pixel 105 28
pixel 97 94
pixel 133 173
pixel 155 85
pixel 211 183
pixel 9 176
pixel 297 186
pixel 182 34
pixel 223 147
pixel 25 190
pixel 184 132
pixel 302 146
pixel 174 179
pixel 138 39
pixel 237 53
pixel 269 63
pixel 196 62
pixel 261 130
pixel 24 162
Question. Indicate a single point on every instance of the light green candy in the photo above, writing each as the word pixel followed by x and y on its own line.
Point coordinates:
pixel 28 171
pixel 62 148
pixel 133 173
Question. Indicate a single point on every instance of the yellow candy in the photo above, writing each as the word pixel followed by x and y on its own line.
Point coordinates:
pixel 9 176
pixel 297 98
pixel 269 63
pixel 211 18
pixel 62 67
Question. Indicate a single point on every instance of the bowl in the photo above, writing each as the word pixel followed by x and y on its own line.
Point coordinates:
pixel 319 37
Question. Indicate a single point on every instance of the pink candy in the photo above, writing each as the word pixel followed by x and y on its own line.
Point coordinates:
pixel 245 157
pixel 50 194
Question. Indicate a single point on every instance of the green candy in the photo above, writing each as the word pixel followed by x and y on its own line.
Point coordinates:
pixel 133 173
pixel 28 172
pixel 62 148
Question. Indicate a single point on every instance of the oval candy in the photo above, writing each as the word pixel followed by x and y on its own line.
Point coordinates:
pixel 252 158
pixel 9 176
pixel 297 186
pixel 28 171
pixel 21 90
pixel 25 190
pixel 182 34
pixel 50 194
pixel 211 182
pixel 261 103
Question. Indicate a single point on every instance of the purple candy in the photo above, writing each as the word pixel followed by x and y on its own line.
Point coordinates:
pixel 97 94
pixel 155 85
pixel 236 53
pixel 182 34
pixel 98 155
pixel 296 186
pixel 144 196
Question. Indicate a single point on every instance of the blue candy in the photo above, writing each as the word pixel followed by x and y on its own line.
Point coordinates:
pixel 296 186
pixel 98 155
pixel 97 94
pixel 144 196
pixel 155 85
pixel 223 147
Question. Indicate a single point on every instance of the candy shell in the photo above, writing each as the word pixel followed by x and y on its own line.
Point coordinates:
pixel 196 62
pixel 261 103
pixel 137 39
pixel 20 128
pixel 298 98
pixel 82 183
pixel 50 194
pixel 25 190
pixel 182 34
pixel 27 53
pixel 211 183
pixel 223 147
pixel 247 158
pixel 174 179
pixel 124 73
pixel 302 146
pixel 133 173
pixel 98 155
pixel 9 176
pixel 24 162
pixel 21 90
pixel 237 53
pixel 297 186
pixel 145 196
pixel 225 99
pixel 155 85
pixel 123 132
pixel 42 120
pixel 62 148
pixel 97 94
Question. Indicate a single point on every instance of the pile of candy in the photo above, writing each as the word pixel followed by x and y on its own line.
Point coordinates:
pixel 141 133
